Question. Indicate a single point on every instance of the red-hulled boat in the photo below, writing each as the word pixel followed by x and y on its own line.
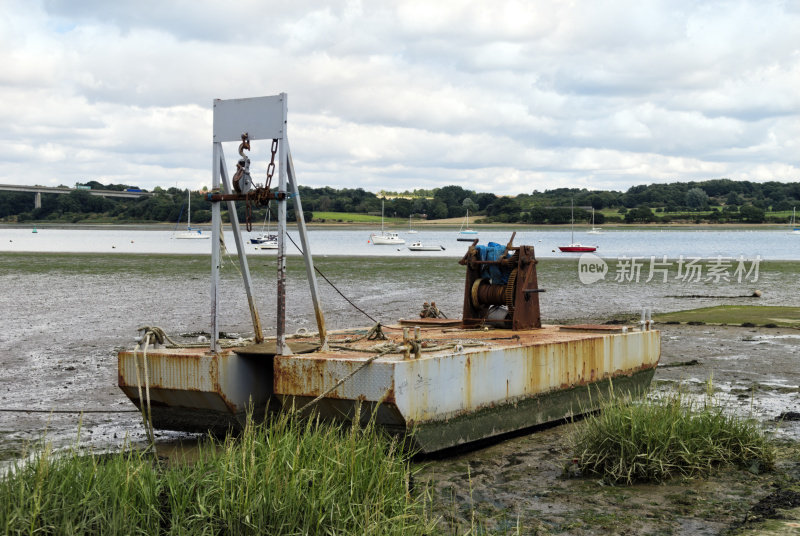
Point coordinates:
pixel 573 247
pixel 577 248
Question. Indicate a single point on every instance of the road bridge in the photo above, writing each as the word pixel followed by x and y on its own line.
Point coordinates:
pixel 39 190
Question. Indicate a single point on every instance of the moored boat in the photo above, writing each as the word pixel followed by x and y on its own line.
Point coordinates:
pixel 385 238
pixel 466 234
pixel 266 239
pixel 594 230
pixel 190 232
pixel 419 246
pixel 575 247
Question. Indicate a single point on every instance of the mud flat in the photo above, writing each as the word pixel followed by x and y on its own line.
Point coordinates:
pixel 521 482
pixel 67 315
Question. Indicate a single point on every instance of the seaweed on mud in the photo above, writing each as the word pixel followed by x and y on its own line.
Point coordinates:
pixel 771 507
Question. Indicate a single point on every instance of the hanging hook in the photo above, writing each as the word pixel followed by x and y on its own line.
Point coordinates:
pixel 245 144
pixel 242 182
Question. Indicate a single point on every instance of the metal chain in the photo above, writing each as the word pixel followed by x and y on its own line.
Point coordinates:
pixel 271 166
pixel 260 196
pixel 247 214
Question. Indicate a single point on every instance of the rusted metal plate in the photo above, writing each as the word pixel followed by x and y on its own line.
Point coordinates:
pixel 455 385
pixel 188 379
pixel 596 328
pixel 472 384
pixel 441 322
pixel 268 348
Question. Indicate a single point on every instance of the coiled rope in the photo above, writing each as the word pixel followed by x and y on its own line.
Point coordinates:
pixel 158 336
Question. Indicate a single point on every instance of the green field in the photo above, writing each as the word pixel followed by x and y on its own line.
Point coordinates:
pixel 352 217
pixel 755 315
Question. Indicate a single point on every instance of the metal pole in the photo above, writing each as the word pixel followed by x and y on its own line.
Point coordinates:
pixel 237 236
pixel 280 344
pixel 215 252
pixel 301 227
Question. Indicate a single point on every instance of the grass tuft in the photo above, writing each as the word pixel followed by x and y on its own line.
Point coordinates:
pixel 659 437
pixel 288 477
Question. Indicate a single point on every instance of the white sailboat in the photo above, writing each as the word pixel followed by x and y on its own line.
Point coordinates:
pixel 267 239
pixel 385 238
pixel 594 230
pixel 466 235
pixel 190 233
pixel 794 230
pixel 410 230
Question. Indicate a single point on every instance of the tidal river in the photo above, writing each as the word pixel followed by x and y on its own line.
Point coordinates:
pixel 64 315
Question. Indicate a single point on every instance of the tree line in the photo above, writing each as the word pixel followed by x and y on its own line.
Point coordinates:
pixel 719 200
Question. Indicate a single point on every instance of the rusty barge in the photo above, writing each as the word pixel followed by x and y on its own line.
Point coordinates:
pixel 441 382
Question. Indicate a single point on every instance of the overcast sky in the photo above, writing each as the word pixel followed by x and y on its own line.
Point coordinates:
pixel 496 96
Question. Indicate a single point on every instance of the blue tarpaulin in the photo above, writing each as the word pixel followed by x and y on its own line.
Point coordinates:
pixel 492 252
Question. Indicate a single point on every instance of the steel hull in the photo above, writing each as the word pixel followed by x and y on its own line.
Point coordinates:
pixel 442 399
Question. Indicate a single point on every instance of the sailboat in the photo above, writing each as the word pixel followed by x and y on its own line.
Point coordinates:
pixel 410 230
pixel 266 240
pixel 594 230
pixel 575 247
pixel 190 233
pixel 385 239
pixel 795 230
pixel 466 235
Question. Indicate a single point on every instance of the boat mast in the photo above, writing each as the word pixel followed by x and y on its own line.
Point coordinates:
pixel 572 218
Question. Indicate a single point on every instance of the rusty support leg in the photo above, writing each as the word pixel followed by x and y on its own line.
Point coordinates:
pixel 280 346
pixel 215 250
pixel 248 281
pixel 301 227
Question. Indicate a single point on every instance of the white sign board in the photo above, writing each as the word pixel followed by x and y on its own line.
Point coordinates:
pixel 263 118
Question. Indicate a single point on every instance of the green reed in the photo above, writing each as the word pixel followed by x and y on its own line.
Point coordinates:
pixel 285 477
pixel 664 436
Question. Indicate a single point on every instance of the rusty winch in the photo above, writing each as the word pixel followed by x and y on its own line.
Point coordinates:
pixel 501 287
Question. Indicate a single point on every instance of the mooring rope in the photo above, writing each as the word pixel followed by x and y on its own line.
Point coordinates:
pixel 341 381
pixel 67 411
pixel 159 337
pixel 316 269
pixel 383 349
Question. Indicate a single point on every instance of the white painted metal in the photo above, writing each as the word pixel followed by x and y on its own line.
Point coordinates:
pixel 281 347
pixel 237 236
pixel 216 223
pixel 443 385
pixel 222 382
pixel 262 118
pixel 309 261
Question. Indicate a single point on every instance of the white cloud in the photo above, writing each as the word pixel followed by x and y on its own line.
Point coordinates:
pixel 506 97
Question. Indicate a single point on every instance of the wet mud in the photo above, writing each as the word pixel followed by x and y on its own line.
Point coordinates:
pixel 64 317
pixel 527 481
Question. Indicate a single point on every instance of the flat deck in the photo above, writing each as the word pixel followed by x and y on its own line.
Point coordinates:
pixel 465 384
pixel 438 340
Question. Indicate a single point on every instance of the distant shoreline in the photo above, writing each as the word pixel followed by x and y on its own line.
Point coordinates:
pixel 422 225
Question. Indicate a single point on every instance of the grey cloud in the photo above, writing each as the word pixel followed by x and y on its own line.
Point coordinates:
pixel 504 97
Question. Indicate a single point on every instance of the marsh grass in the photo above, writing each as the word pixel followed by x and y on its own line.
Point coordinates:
pixel 662 436
pixel 287 477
